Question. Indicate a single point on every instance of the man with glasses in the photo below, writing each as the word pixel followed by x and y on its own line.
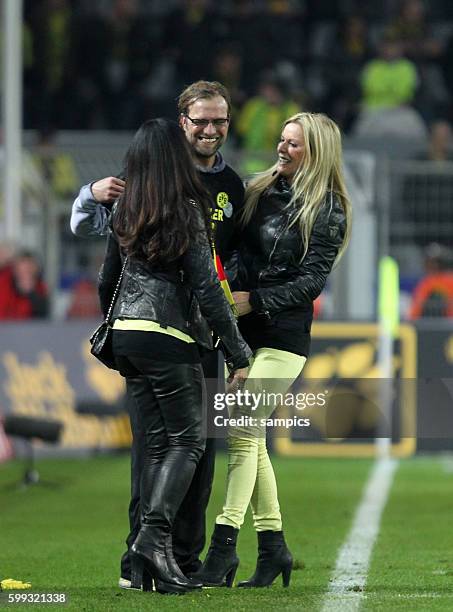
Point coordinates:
pixel 204 116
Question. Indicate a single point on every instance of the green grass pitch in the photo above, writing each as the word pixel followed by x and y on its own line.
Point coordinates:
pixel 70 539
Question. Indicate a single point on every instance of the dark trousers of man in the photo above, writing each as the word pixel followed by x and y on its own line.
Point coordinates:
pixel 189 530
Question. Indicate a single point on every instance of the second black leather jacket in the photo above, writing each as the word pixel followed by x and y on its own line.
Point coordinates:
pixel 186 295
pixel 270 253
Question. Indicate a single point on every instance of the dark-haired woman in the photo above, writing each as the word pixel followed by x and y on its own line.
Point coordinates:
pixel 169 301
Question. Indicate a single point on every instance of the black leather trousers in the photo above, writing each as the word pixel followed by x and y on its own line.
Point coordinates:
pixel 189 529
pixel 169 404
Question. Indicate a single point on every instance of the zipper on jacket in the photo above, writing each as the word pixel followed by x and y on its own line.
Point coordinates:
pixel 277 238
pixel 283 228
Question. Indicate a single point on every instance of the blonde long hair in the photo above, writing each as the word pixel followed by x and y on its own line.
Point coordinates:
pixel 320 171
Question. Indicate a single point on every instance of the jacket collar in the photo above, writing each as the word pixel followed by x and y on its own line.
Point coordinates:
pixel 283 185
pixel 281 188
pixel 219 165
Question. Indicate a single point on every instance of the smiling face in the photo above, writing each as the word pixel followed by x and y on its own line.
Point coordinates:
pixel 206 140
pixel 291 150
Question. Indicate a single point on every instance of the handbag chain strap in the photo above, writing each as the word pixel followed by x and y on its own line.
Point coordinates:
pixel 115 293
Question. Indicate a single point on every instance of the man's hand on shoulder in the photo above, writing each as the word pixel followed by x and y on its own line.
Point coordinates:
pixel 107 189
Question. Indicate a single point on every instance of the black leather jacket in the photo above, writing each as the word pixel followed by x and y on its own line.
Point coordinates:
pixel 270 252
pixel 185 295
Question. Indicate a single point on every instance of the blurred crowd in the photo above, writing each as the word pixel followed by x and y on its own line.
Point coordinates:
pixel 23 293
pixel 380 65
pixel 379 68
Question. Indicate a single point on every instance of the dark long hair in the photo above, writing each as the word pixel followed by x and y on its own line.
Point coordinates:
pixel 155 217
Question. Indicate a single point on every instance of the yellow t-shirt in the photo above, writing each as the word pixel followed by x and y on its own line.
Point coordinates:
pixel 150 326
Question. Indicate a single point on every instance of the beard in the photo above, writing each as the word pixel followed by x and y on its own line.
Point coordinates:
pixel 208 150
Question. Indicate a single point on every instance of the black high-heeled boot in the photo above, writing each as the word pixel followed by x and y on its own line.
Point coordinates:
pixel 151 546
pixel 219 567
pixel 274 558
pixel 141 578
pixel 193 583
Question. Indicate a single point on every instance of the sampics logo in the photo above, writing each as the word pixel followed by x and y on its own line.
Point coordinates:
pixel 362 404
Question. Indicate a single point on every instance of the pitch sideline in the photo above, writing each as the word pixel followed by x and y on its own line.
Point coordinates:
pixel 349 577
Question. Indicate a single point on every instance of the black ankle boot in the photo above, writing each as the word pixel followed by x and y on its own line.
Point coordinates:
pixel 151 547
pixel 221 563
pixel 274 558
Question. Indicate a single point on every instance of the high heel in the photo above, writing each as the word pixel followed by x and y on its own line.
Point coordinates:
pixel 229 578
pixel 221 563
pixel 274 558
pixel 151 546
pixel 286 573
pixel 141 578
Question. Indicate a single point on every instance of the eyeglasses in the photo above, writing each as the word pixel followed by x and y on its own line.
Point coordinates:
pixel 222 121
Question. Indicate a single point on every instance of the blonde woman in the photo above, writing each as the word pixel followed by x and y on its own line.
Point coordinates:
pixel 295 227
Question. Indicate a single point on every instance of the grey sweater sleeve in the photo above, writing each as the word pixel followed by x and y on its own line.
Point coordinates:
pixel 88 217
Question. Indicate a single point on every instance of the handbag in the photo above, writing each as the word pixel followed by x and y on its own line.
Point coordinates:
pixel 101 338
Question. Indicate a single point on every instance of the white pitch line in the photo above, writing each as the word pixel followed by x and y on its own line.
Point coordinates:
pixel 349 577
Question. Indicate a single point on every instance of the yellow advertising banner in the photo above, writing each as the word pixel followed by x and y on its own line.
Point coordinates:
pixel 47 371
pixel 344 367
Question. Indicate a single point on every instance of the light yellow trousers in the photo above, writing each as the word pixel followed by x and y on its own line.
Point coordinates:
pixel 251 478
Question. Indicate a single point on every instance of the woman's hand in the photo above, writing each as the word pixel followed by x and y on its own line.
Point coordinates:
pixel 236 380
pixel 241 299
